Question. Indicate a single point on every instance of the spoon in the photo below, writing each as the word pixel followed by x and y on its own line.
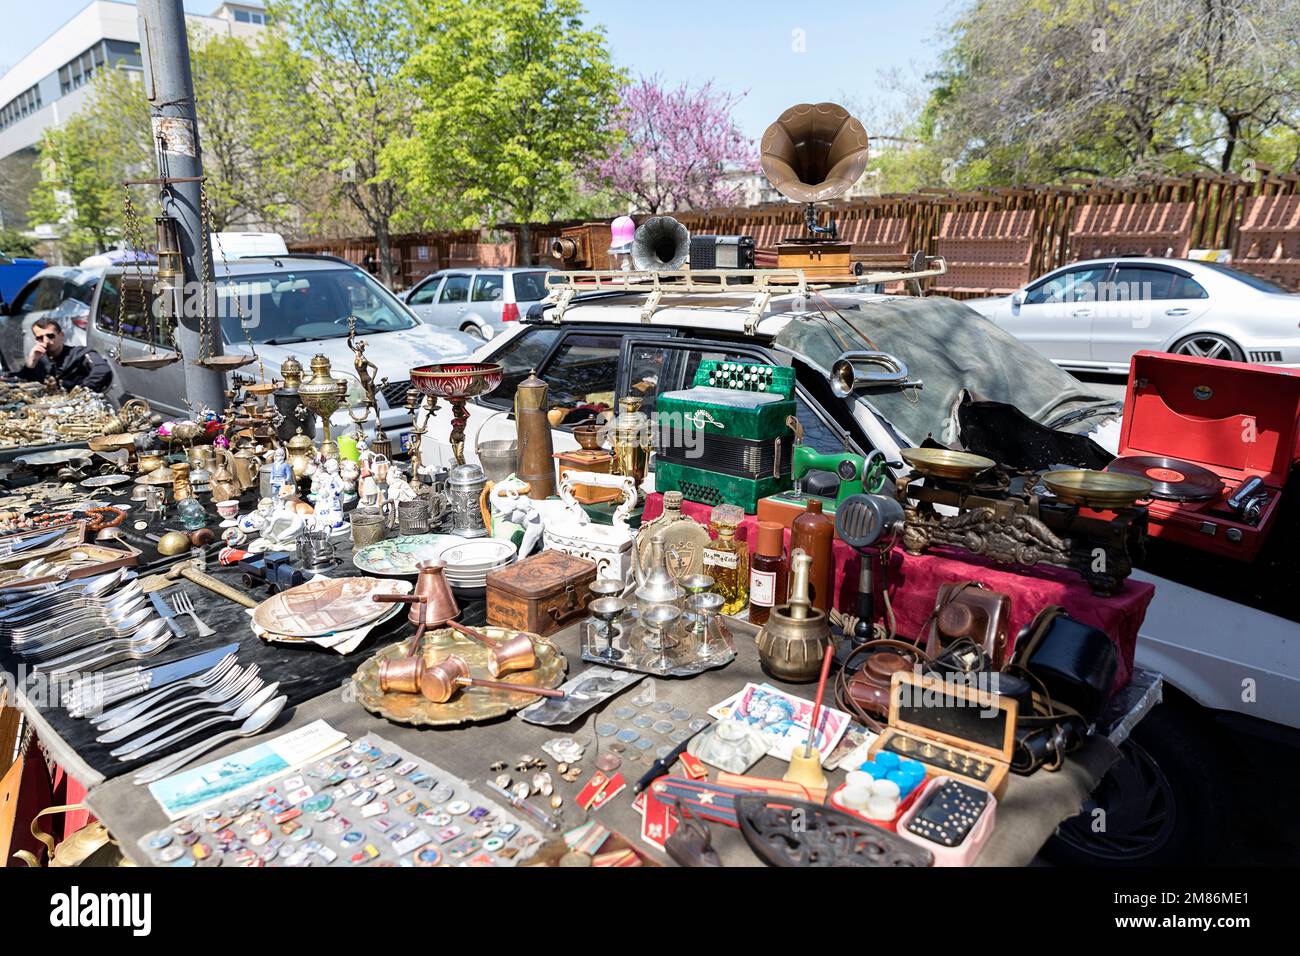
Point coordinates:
pixel 113 612
pixel 108 632
pixel 87 588
pixel 254 723
pixel 150 639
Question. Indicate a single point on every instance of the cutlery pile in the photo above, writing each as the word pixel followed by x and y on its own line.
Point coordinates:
pixel 83 627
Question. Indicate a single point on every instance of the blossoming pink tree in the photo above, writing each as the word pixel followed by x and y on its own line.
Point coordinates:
pixel 679 145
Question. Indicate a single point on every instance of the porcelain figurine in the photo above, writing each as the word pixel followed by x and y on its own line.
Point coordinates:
pixel 514 515
pixel 253 522
pixel 281 473
pixel 367 486
pixel 399 489
pixel 329 495
pixel 351 472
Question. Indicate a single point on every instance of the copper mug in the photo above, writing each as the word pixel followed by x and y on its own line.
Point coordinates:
pixel 513 654
pixel 439 682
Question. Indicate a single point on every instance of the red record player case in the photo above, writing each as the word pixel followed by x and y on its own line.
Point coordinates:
pixel 1235 419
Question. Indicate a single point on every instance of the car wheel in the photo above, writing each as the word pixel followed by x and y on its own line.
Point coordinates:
pixel 1161 802
pixel 474 330
pixel 1208 345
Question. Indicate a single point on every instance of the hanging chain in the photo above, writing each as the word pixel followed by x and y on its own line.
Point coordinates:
pixel 230 284
pixel 128 217
pixel 205 320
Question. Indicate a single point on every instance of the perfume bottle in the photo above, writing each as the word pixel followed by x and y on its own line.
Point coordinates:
pixel 727 560
pixel 768 570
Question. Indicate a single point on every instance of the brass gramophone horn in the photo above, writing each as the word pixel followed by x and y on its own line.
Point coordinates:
pixel 661 244
pixel 814 152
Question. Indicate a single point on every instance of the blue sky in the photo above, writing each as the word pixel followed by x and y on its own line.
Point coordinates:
pixel 743 46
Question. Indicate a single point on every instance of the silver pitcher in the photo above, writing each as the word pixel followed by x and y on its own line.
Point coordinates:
pixel 464 490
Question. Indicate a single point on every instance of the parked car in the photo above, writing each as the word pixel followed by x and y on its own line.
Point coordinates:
pixel 297 305
pixel 62 293
pixel 14 273
pixel 478 302
pixel 1162 798
pixel 1094 315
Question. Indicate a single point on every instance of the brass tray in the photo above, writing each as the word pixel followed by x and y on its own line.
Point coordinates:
pixel 942 463
pixel 471 704
pixel 1097 489
pixel 151 362
pixel 110 443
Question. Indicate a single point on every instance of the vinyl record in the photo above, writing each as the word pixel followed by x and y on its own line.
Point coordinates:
pixel 1172 479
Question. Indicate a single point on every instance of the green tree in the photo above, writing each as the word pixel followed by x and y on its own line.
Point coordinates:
pixel 245 184
pixel 1037 91
pixel 516 97
pixel 16 245
pixel 84 162
pixel 332 97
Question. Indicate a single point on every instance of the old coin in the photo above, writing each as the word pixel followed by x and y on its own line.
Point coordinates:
pixel 608 762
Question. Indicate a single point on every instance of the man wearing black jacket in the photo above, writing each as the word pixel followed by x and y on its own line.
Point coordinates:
pixel 70 367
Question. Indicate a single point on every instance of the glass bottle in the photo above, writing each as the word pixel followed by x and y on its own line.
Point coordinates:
pixel 814 532
pixel 768 570
pixel 727 559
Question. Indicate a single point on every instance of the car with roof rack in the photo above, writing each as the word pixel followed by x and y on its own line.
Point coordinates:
pixel 604 336
pixel 295 304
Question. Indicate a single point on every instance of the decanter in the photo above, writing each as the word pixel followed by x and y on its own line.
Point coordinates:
pixel 727 560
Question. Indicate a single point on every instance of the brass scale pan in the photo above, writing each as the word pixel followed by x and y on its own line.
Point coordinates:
pixel 1093 489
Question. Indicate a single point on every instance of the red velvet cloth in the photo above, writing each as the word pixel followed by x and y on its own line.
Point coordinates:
pixel 914 582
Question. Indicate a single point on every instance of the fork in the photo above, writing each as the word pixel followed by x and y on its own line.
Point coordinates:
pixel 120 714
pixel 229 686
pixel 182 603
pixel 226 702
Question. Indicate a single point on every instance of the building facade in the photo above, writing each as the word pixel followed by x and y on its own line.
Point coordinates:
pixel 52 82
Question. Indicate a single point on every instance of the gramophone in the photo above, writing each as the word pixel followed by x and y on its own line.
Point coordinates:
pixel 660 244
pixel 812 153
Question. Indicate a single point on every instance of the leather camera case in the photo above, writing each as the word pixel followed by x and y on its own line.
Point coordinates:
pixel 1075 661
pixel 965 609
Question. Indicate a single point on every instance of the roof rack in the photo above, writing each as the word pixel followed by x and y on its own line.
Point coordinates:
pixel 762 284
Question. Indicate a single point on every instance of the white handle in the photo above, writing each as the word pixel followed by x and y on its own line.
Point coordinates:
pixel 625 483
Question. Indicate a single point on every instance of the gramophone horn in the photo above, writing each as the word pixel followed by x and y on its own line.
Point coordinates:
pixel 814 152
pixel 855 370
pixel 661 244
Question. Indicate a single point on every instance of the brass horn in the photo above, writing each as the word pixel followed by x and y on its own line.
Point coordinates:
pixel 814 152
pixel 855 370
pixel 661 244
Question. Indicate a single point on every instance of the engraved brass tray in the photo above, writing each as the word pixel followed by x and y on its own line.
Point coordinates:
pixel 471 704
pixel 1097 489
pixel 943 463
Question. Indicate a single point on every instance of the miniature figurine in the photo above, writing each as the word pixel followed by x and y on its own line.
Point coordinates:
pixel 329 495
pixel 281 473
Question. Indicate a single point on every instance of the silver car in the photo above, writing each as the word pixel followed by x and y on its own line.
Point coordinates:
pixel 1094 315
pixel 295 305
pixel 478 302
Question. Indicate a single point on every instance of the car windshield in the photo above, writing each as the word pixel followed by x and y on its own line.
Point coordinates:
pixel 1255 282
pixel 530 286
pixel 946 346
pixel 287 307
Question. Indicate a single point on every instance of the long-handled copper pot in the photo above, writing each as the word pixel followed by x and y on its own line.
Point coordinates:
pixel 440 681
pixel 515 654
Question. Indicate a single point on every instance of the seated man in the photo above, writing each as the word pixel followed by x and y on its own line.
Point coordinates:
pixel 70 367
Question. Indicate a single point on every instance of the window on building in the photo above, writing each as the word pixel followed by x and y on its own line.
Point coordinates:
pixel 24 104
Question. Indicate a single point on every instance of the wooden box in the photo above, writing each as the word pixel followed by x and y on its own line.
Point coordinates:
pixel 955 731
pixel 818 260
pixel 540 594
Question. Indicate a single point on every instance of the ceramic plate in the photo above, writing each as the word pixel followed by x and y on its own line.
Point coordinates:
pixel 472 556
pixel 400 557
pixel 326 605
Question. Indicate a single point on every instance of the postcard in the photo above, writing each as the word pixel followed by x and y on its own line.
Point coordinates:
pixel 783 719
pixel 196 789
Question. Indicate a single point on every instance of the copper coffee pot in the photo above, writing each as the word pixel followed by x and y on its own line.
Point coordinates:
pixel 536 454
pixel 432 603
pixel 439 682
pixel 515 654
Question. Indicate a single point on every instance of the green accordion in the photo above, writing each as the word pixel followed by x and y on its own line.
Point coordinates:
pixel 726 439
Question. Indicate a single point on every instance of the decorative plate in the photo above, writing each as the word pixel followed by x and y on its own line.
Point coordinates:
pixel 341 637
pixel 326 605
pixel 106 481
pixel 471 703
pixel 482 555
pixel 400 557
pixel 61 456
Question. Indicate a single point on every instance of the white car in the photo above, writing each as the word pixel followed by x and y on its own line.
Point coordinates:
pixel 1092 316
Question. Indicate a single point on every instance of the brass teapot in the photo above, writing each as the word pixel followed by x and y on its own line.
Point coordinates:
pixel 224 483
pixel 247 466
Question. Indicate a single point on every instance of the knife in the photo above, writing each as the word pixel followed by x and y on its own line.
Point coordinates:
pixel 660 766
pixel 166 613
pixel 90 695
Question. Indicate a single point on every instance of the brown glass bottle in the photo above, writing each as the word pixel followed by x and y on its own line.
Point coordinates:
pixel 813 532
pixel 768 570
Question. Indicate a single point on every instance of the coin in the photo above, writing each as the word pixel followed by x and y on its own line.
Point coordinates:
pixel 608 762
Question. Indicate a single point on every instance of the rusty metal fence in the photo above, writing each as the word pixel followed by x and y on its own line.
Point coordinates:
pixel 995 239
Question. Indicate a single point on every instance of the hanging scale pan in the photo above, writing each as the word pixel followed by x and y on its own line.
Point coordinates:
pixel 225 363
pixel 943 463
pixel 151 361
